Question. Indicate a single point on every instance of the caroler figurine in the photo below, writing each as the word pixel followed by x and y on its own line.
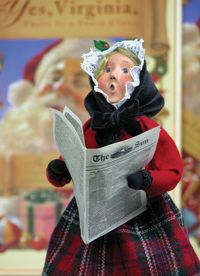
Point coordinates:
pixel 121 103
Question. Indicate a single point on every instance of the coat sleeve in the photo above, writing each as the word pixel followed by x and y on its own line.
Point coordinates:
pixel 166 167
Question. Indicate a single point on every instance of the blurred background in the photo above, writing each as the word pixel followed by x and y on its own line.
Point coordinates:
pixel 40 55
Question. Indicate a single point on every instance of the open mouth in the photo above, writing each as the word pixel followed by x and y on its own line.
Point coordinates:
pixel 112 87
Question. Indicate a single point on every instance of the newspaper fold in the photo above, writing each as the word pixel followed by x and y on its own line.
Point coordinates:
pixel 99 175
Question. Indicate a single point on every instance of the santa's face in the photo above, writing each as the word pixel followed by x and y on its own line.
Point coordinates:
pixel 66 84
pixel 114 77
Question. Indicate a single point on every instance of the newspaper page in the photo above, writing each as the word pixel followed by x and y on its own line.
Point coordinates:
pixel 76 123
pixel 103 197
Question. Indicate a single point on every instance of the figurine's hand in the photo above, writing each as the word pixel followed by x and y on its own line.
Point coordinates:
pixel 140 180
pixel 58 173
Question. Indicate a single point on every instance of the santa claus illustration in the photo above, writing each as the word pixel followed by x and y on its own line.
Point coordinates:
pixel 53 78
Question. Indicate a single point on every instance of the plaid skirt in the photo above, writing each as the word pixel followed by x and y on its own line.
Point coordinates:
pixel 153 243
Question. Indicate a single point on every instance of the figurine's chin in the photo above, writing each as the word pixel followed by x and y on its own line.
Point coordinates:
pixel 112 92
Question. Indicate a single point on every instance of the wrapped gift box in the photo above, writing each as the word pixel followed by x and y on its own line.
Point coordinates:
pixel 40 211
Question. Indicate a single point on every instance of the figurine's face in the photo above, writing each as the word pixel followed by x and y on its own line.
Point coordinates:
pixel 115 75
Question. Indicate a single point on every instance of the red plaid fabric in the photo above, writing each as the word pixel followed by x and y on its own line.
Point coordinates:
pixel 153 243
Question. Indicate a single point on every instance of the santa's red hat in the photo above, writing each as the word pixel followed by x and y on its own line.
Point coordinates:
pixel 31 67
pixel 19 91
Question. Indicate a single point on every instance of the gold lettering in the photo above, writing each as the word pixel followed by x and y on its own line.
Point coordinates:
pixel 99 9
pixel 72 10
pixel 42 10
pixel 33 10
pixel 89 11
pixel 127 9
pixel 108 9
pixel 80 9
pixel 15 10
pixel 60 5
pixel 12 12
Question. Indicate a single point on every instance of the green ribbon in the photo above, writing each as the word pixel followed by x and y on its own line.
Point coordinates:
pixel 41 196
pixel 31 219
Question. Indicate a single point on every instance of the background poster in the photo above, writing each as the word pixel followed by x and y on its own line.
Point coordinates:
pixel 40 50
pixel 191 118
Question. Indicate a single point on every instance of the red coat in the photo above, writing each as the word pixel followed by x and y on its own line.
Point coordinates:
pixel 166 166
pixel 153 243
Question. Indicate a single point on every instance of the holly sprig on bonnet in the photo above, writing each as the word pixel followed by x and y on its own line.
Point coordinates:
pixel 101 45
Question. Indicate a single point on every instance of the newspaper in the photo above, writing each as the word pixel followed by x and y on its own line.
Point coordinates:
pixel 99 175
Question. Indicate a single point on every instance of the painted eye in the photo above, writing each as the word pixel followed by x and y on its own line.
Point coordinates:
pixel 57 75
pixel 107 69
pixel 125 70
